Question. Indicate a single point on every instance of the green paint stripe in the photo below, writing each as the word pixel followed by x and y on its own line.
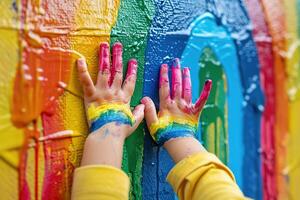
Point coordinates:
pixel 131 29
pixel 214 114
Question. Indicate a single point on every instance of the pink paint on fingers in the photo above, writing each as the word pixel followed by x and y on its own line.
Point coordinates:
pixel 186 85
pixel 176 79
pixel 163 78
pixel 117 58
pixel 132 68
pixel 204 96
pixel 104 57
pixel 117 62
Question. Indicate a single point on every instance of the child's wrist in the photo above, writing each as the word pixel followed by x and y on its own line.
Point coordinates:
pixel 99 116
pixel 110 130
pixel 180 148
pixel 104 147
pixel 171 127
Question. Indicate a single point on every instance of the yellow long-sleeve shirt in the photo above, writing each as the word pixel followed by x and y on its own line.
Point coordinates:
pixel 200 176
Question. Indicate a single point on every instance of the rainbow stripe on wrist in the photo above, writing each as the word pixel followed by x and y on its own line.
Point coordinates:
pixel 106 113
pixel 169 127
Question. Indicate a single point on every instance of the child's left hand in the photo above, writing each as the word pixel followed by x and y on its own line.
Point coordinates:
pixel 108 101
pixel 108 107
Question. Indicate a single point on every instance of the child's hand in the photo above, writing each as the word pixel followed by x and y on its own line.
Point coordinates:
pixel 177 116
pixel 108 101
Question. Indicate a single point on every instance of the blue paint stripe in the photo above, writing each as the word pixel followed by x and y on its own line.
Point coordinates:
pixel 162 47
pixel 232 15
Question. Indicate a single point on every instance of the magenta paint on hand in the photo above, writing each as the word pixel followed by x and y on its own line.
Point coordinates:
pixel 204 95
pixel 81 62
pixel 104 57
pixel 132 67
pixel 176 77
pixel 117 60
pixel 117 57
pixel 186 85
pixel 163 78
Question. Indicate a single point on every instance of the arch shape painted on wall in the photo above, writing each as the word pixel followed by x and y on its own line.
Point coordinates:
pixel 214 123
pixel 204 32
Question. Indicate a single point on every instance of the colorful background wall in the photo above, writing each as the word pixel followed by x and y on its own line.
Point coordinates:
pixel 250 49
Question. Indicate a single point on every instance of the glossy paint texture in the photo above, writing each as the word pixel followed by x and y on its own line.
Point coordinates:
pixel 209 35
pixel 250 49
pixel 263 42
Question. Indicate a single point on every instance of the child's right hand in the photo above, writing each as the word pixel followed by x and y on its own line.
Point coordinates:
pixel 177 116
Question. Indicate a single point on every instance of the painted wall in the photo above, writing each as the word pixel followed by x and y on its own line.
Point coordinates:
pixel 250 49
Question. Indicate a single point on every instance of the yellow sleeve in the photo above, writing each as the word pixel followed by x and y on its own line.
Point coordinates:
pixel 203 176
pixel 100 182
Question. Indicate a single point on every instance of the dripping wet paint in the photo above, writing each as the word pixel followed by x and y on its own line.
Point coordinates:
pixel 250 49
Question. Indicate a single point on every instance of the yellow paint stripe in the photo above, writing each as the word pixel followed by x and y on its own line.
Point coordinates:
pixel 292 65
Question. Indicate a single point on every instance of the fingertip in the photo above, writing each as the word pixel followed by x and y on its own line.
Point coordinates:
pixel 176 63
pixel 118 45
pixel 132 67
pixel 186 71
pixel 81 62
pixel 208 84
pixel 104 45
pixel 117 48
pixel 132 61
pixel 164 68
pixel 145 100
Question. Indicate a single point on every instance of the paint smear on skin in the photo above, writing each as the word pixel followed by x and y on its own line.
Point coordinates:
pixel 132 68
pixel 203 96
pixel 117 61
pixel 161 131
pixel 275 20
pixel 163 78
pixel 176 78
pixel 264 47
pixel 186 85
pixel 104 57
pixel 293 83
pixel 106 113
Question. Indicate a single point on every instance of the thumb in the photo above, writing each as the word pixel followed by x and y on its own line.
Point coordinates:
pixel 150 111
pixel 138 114
pixel 203 97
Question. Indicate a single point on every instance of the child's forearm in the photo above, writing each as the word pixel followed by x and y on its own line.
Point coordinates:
pixel 104 147
pixel 180 148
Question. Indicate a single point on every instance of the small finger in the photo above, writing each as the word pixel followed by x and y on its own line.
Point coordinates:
pixel 186 85
pixel 129 83
pixel 138 114
pixel 176 80
pixel 204 96
pixel 104 66
pixel 85 78
pixel 150 111
pixel 164 87
pixel 117 66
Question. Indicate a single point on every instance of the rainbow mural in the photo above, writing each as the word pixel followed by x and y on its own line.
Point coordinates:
pixel 250 49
